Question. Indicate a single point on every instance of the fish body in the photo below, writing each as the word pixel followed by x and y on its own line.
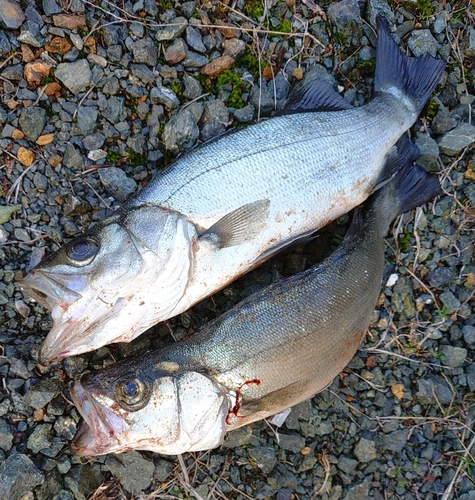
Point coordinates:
pixel 226 206
pixel 276 348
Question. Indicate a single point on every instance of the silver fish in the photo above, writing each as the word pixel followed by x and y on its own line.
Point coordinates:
pixel 278 347
pixel 226 206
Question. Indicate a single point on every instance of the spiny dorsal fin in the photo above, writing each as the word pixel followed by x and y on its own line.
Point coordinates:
pixel 317 95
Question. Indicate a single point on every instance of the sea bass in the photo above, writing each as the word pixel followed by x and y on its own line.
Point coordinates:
pixel 227 205
pixel 273 350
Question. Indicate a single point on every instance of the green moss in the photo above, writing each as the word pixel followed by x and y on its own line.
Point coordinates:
pixel 47 79
pixel 212 85
pixel 113 156
pixel 285 26
pixel 177 89
pixel 404 241
pixel 250 62
pixel 431 109
pixel 254 9
pixel 49 110
pixel 420 8
pixel 136 159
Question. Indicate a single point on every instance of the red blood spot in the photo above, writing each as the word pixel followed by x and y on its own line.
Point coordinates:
pixel 237 405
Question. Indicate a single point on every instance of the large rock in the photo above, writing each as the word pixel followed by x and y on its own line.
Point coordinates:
pixel 134 471
pixel 77 76
pixel 11 14
pixel 18 477
pixel 452 143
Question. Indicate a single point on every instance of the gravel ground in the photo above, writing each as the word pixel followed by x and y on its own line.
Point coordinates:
pixel 95 99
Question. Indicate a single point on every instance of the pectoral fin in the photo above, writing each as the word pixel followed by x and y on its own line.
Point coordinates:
pixel 238 226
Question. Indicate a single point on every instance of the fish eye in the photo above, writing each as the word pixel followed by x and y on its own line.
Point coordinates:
pixel 83 251
pixel 132 393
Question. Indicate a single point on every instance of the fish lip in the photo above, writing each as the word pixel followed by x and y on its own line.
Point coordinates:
pixel 48 291
pixel 98 434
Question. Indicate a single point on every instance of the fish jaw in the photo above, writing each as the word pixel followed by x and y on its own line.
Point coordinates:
pixel 100 431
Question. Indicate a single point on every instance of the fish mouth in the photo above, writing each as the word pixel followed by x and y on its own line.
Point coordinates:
pixel 100 429
pixel 48 291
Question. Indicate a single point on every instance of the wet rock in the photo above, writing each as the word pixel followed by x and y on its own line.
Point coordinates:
pixel 18 477
pixel 11 14
pixel 452 143
pixel 365 450
pixel 165 96
pixel 264 457
pixel 32 122
pixel 116 183
pixel 214 119
pixel 345 15
pixel 453 356
pixel 133 470
pixel 77 76
pixel 181 131
pixel 422 42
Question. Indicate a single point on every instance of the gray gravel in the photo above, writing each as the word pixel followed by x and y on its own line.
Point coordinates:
pixel 122 91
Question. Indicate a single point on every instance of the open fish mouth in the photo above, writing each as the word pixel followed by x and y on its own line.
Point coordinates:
pixel 48 291
pixel 100 429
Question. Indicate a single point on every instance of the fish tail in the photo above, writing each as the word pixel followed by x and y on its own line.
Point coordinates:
pixel 411 187
pixel 416 78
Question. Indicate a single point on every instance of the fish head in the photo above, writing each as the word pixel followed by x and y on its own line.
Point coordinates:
pixel 113 281
pixel 168 413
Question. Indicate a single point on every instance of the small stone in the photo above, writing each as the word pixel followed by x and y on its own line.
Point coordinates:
pixel 429 152
pixel 87 118
pixel 30 34
pixel 172 31
pixel 69 21
pixel 468 43
pixel 422 42
pixel 264 457
pixel 35 71
pixel 181 131
pixel 145 51
pixel 345 16
pixel 452 143
pixel 18 477
pixel 96 154
pixel 163 469
pixel 165 96
pixel 214 119
pixel 192 88
pixel 453 356
pixel 443 122
pixel 32 121
pixel 11 14
pixel 469 335
pixel 93 141
pixel 217 66
pixel 176 52
pixel 395 441
pixel 194 40
pixel 347 465
pixel 359 491
pixel 99 60
pixel 441 276
pixel 133 470
pixel 65 427
pixel 76 76
pixel 72 158
pixel 450 301
pixel 6 436
pixel 50 7
pixel 5 45
pixel 43 393
pixel 291 442
pixel 116 183
pixel 82 479
pixel 40 438
pixel 234 48
pixel 245 114
pixel 365 450
pixel 194 60
pixel 227 29
pixel 375 7
pixel 25 156
pixel 433 389
pixel 240 437
pixel 58 45
pixel 52 89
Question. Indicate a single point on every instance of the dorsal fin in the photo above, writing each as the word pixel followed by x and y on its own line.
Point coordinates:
pixel 317 95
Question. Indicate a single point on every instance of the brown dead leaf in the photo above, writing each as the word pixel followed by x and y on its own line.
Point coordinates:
pixel 268 72
pixel 227 29
pixel 35 71
pixel 306 450
pixel 90 43
pixel 53 88
pixel 398 391
pixel 25 156
pixel 38 415
pixel 469 174
pixel 349 398
pixel 58 45
pixel 297 73
pixel 470 279
pixel 17 134
pixel 45 139
pixel 27 54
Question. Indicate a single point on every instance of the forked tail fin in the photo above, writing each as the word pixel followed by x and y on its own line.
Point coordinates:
pixel 414 77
